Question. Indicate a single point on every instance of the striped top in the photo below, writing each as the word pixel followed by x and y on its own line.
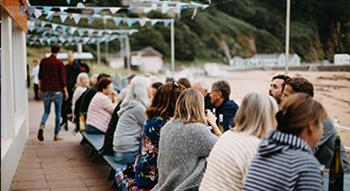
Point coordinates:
pixel 284 162
pixel 100 111
pixel 229 161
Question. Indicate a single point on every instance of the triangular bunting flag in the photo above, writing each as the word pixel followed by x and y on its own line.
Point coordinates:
pixel 114 10
pixel 130 22
pixel 154 21
pixel 31 10
pixel 142 22
pixel 76 18
pixel 49 15
pixel 90 31
pixel 37 13
pixel 62 39
pixel 48 40
pixel 31 25
pixel 68 2
pixel 116 21
pixel 63 16
pixel 64 28
pixel 147 10
pixel 72 30
pixel 90 19
pixel 85 39
pixel 53 26
pixel 62 9
pixel 167 23
pixel 80 5
pixel 41 40
pixel 97 10
pixel 46 9
pixel 42 24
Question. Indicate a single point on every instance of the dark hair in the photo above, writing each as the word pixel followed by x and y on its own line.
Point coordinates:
pixel 282 77
pixel 156 85
pixel 164 101
pixel 101 76
pixel 185 82
pixel 301 85
pixel 55 48
pixel 103 83
pixel 297 111
pixel 223 87
pixel 169 79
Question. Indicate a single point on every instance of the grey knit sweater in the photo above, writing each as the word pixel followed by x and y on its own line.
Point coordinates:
pixel 183 149
pixel 128 133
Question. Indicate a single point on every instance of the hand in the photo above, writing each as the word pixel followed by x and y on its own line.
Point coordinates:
pixel 40 94
pixel 211 118
pixel 66 96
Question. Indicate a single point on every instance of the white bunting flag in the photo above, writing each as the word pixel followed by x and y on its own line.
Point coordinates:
pixel 154 21
pixel 76 18
pixel 68 2
pixel 37 13
pixel 49 15
pixel 31 25
pixel 142 22
pixel 117 21
pixel 63 16
pixel 80 5
pixel 53 26
pixel 114 10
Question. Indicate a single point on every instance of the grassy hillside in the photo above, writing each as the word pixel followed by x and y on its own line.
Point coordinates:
pixel 319 28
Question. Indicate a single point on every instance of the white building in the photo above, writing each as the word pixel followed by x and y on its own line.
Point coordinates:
pixel 146 60
pixel 263 60
pixel 14 100
pixel 340 59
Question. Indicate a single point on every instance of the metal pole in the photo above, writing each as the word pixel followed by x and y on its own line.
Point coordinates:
pixel 106 49
pixel 98 53
pixel 287 36
pixel 80 47
pixel 128 53
pixel 172 42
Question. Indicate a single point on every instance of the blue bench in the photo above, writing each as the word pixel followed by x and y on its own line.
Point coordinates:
pixel 95 140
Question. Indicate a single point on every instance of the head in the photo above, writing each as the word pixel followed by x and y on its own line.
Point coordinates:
pixel 153 89
pixel 70 57
pixel 163 104
pixel 105 86
pixel 101 76
pixel 185 82
pixel 202 87
pixel 220 91
pixel 137 91
pixel 83 80
pixel 55 48
pixel 35 62
pixel 130 77
pixel 297 85
pixel 169 79
pixel 256 115
pixel 190 107
pixel 277 86
pixel 93 79
pixel 301 116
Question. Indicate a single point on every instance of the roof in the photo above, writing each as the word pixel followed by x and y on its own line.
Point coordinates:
pixel 148 51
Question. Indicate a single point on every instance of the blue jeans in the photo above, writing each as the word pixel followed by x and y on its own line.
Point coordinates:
pixel 57 99
pixel 125 157
pixel 93 130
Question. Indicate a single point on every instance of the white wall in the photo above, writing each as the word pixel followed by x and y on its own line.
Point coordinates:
pixel 14 100
pixel 151 64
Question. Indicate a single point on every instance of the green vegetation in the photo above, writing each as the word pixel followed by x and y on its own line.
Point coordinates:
pixel 319 28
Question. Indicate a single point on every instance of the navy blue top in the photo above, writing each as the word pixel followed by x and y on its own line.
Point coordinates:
pixel 228 108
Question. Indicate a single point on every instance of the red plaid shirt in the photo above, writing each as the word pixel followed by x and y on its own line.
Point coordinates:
pixel 52 74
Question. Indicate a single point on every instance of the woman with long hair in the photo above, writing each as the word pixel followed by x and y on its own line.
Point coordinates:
pixel 285 159
pixel 185 143
pixel 230 158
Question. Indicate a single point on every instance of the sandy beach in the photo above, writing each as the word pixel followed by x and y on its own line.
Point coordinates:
pixel 332 89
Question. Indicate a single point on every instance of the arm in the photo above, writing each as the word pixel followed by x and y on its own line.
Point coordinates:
pixel 211 120
pixel 310 177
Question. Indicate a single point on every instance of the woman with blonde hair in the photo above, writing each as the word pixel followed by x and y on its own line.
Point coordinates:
pixel 285 159
pixel 230 158
pixel 185 143
pixel 81 86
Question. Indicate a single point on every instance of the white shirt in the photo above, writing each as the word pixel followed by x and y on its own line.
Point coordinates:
pixel 35 74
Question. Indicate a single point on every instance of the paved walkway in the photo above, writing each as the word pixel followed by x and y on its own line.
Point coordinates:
pixel 62 165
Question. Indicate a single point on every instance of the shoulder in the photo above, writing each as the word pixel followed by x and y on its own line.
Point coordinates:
pixel 230 104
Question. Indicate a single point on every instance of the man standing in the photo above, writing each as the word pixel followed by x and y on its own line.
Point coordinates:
pixel 52 85
pixel 35 79
pixel 277 86
pixel 72 72
pixel 225 109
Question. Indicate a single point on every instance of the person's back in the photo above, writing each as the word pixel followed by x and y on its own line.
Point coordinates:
pixel 284 162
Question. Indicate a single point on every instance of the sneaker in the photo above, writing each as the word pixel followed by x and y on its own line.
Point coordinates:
pixel 40 134
pixel 56 137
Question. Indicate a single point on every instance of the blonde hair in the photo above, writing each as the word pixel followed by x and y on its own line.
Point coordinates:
pixel 256 115
pixel 93 79
pixel 79 79
pixel 190 107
